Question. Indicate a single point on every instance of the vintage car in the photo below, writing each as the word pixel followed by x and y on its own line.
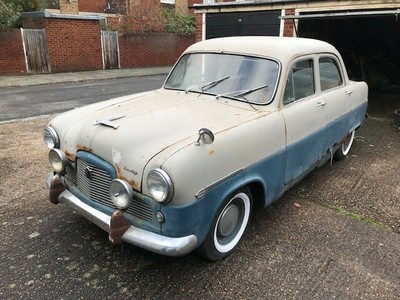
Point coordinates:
pixel 238 121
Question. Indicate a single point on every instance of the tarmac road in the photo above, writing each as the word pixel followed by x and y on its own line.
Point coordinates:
pixel 336 235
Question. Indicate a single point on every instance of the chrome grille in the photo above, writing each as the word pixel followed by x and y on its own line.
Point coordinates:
pixel 95 187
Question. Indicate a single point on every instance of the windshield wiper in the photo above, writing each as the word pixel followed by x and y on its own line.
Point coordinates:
pixel 206 86
pixel 246 92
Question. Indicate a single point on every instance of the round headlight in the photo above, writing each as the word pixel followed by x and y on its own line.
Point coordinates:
pixel 121 193
pixel 160 185
pixel 50 137
pixel 58 160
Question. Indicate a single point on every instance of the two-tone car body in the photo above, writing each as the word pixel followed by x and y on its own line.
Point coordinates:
pixel 238 121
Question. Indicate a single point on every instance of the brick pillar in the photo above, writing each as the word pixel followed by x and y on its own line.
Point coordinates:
pixel 69 7
pixel 288 28
pixel 199 27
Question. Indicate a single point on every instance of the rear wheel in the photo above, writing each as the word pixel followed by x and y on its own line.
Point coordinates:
pixel 344 149
pixel 228 226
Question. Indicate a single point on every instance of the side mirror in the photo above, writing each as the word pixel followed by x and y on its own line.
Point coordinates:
pixel 206 136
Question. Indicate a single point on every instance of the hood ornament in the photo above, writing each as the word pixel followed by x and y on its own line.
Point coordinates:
pixel 108 122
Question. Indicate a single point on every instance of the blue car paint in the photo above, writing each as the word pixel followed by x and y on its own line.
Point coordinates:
pixel 197 217
pixel 96 161
pixel 357 116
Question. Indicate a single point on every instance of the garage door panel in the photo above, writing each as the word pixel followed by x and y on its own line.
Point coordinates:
pixel 243 23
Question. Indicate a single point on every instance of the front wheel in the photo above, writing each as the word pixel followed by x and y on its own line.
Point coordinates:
pixel 228 227
pixel 344 149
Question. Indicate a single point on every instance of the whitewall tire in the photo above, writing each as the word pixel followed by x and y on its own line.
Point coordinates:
pixel 344 148
pixel 228 226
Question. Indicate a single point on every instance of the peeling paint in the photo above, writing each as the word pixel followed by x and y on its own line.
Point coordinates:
pixel 116 156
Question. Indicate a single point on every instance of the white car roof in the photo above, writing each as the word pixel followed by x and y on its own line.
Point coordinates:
pixel 281 48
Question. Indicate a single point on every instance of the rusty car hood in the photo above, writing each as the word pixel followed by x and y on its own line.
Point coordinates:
pixel 128 131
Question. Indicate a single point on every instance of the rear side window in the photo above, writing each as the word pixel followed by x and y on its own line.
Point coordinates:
pixel 329 73
pixel 300 82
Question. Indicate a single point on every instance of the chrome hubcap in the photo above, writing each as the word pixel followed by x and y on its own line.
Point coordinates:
pixel 228 221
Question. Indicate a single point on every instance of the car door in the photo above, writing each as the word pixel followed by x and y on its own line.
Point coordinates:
pixel 336 98
pixel 304 115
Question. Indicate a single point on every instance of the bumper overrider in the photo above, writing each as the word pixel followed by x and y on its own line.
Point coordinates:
pixel 118 227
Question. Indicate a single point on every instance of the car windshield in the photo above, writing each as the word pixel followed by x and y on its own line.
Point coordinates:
pixel 240 77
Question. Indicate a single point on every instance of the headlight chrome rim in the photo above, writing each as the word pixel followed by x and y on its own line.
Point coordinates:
pixel 58 160
pixel 160 186
pixel 51 138
pixel 121 193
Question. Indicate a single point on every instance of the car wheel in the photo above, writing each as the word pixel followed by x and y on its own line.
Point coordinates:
pixel 344 148
pixel 228 226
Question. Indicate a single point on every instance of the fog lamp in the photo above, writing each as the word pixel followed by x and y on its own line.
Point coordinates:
pixel 58 160
pixel 121 193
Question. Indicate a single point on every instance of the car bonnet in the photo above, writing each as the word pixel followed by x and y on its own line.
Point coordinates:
pixel 129 131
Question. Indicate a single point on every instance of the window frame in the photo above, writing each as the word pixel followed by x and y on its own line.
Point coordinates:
pixel 338 65
pixel 315 77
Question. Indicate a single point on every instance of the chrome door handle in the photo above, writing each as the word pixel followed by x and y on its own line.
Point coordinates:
pixel 321 104
pixel 348 93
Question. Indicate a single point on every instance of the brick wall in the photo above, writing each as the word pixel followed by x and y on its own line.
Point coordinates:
pixel 12 58
pixel 152 50
pixel 190 3
pixel 74 44
pixel 98 6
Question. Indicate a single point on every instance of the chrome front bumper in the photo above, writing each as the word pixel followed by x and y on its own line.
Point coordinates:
pixel 144 239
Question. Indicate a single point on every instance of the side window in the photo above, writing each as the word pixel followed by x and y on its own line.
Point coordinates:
pixel 329 73
pixel 300 82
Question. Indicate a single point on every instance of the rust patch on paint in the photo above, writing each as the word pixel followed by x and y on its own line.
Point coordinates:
pixel 211 152
pixel 70 156
pixel 118 226
pixel 84 148
pixel 131 182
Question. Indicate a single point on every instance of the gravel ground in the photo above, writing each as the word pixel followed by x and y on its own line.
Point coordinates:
pixel 368 184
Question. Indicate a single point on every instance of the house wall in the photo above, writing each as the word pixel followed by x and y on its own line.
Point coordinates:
pixel 152 49
pixel 12 58
pixel 98 6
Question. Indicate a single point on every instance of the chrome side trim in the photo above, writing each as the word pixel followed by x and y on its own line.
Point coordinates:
pixel 144 239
